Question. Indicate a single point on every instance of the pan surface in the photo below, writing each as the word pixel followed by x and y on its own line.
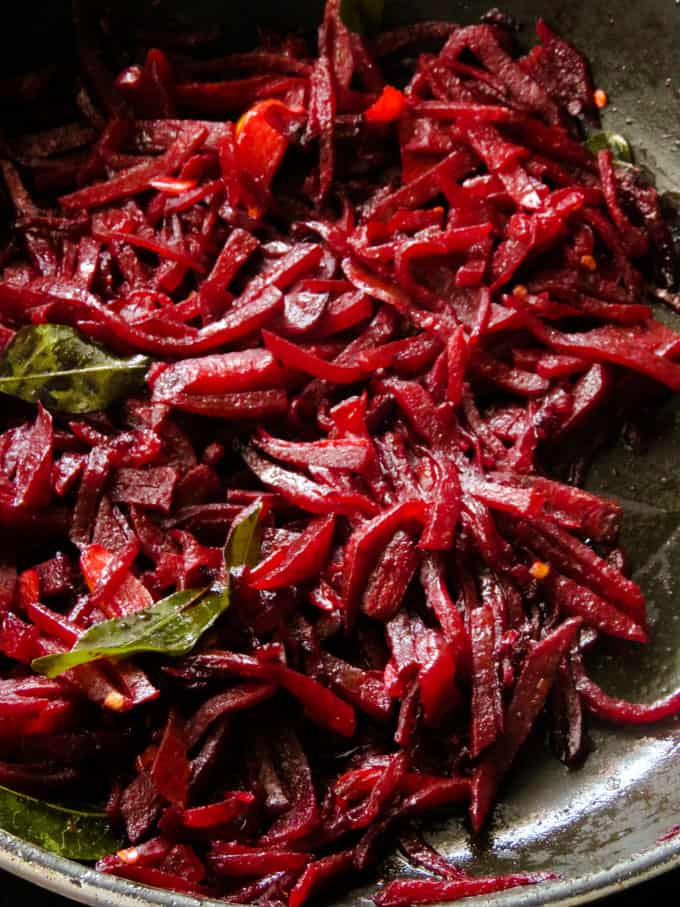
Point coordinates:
pixel 600 826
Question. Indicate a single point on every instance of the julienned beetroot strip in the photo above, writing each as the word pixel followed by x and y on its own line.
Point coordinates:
pixel 386 316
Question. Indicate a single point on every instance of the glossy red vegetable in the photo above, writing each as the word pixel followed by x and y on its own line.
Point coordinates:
pixel 575 601
pixel 238 860
pixel 318 875
pixel 213 294
pixel 303 560
pixel 216 814
pixel 220 373
pixel 364 546
pixel 295 357
pixel 487 705
pixel 619 711
pixel 404 892
pixel 138 178
pixel 347 453
pixel 170 770
pixel 388 107
pixel 529 696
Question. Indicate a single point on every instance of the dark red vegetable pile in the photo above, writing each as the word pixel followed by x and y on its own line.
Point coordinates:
pixel 391 314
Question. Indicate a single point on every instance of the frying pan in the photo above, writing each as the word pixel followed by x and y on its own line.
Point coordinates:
pixel 599 827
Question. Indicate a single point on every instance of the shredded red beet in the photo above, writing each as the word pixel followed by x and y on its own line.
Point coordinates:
pixel 390 315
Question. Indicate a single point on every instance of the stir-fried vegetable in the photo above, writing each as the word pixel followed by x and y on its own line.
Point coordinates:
pixel 297 343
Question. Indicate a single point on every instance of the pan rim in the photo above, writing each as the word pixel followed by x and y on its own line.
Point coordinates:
pixel 88 886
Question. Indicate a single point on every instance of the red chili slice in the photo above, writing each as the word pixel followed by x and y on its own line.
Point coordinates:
pixel 388 108
pixel 304 559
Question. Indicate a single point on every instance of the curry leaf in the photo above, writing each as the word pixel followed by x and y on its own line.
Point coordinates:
pixel 54 364
pixel 612 141
pixel 171 626
pixel 244 540
pixel 362 15
pixel 70 833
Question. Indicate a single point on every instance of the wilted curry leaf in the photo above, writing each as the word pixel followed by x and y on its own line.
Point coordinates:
pixel 54 364
pixel 171 626
pixel 362 15
pixel 70 833
pixel 612 141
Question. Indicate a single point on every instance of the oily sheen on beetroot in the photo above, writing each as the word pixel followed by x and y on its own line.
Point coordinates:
pixel 386 296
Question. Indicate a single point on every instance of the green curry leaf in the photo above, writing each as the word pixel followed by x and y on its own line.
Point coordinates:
pixel 54 364
pixel 612 141
pixel 362 15
pixel 70 833
pixel 171 626
pixel 245 540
